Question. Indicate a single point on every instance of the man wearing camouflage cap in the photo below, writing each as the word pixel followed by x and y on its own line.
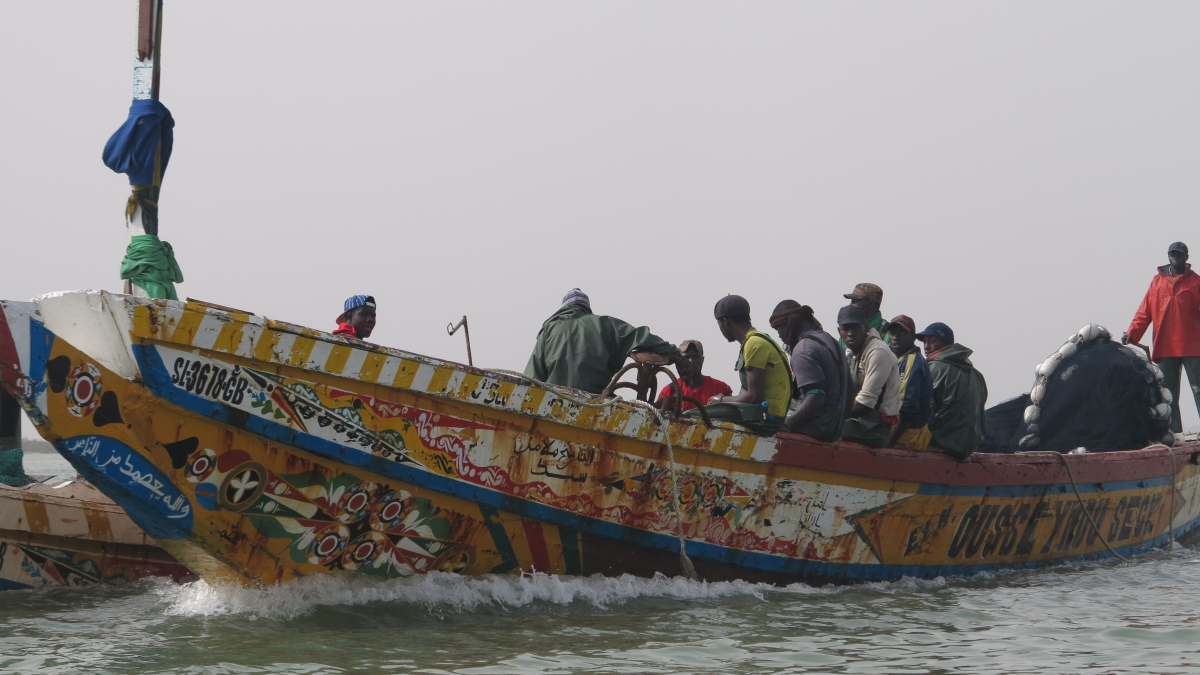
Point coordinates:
pixel 868 298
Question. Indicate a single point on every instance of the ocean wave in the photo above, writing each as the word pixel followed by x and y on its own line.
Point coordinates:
pixel 441 593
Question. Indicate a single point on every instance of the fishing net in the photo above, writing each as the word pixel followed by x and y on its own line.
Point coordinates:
pixel 12 468
pixel 1001 423
pixel 1092 393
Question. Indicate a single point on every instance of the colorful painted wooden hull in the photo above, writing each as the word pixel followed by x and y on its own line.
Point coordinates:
pixel 256 449
pixel 68 534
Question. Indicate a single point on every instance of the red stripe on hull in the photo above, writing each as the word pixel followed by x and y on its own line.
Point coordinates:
pixel 9 360
pixel 537 544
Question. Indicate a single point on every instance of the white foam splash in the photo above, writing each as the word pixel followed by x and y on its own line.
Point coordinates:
pixel 449 593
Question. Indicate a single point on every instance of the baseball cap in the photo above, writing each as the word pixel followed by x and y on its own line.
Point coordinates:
pixel 940 331
pixel 869 291
pixel 354 302
pixel 851 314
pixel 731 306
pixel 904 322
pixel 1177 246
pixel 686 344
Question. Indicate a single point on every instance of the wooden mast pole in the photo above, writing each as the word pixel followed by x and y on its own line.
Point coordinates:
pixel 146 81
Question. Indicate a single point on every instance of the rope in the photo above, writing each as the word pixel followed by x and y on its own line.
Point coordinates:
pixel 1171 515
pixel 1079 497
pixel 685 562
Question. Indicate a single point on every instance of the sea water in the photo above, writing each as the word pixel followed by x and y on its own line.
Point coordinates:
pixel 1094 618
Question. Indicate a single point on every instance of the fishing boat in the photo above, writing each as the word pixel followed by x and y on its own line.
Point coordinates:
pixel 258 450
pixel 66 533
pixel 255 449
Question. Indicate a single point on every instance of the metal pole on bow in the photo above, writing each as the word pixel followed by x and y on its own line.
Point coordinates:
pixel 452 329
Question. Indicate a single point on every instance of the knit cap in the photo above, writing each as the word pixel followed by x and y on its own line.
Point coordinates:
pixel 577 297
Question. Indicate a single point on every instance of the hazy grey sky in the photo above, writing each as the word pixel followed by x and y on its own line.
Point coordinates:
pixel 1013 169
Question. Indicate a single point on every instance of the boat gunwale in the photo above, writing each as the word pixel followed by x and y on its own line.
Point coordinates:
pixel 797 450
pixel 690 426
pixel 852 459
pixel 983 469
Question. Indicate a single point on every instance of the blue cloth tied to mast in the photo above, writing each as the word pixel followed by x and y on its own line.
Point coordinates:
pixel 133 149
pixel 141 149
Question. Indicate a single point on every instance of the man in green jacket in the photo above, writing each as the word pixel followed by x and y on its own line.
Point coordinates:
pixel 578 349
pixel 959 393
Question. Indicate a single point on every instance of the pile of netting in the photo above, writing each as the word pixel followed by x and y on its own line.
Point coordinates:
pixel 1092 393
pixel 1001 423
pixel 12 468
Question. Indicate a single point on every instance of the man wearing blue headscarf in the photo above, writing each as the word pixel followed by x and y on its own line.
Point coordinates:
pixel 578 349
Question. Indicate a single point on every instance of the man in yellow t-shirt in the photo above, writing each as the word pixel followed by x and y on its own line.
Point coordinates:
pixel 762 367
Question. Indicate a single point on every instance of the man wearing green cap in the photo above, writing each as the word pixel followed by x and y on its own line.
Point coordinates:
pixel 874 379
pixel 868 298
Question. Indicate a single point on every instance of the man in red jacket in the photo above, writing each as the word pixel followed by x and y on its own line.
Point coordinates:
pixel 1173 305
pixel 695 384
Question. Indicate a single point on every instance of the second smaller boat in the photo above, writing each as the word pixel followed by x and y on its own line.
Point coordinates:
pixel 67 533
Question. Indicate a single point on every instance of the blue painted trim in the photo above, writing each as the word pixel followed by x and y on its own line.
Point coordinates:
pixel 40 342
pixel 6 585
pixel 156 377
pixel 570 547
pixel 144 515
pixel 508 557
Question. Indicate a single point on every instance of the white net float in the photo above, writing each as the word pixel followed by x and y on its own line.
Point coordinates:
pixel 1067 350
pixel 1032 413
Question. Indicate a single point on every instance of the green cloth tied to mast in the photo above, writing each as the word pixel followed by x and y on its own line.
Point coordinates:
pixel 150 264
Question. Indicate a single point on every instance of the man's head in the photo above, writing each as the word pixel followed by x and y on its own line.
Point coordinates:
pixel 852 326
pixel 790 319
pixel 866 297
pixel 577 297
pixel 359 312
pixel 732 312
pixel 693 353
pixel 936 336
pixel 1177 253
pixel 902 334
